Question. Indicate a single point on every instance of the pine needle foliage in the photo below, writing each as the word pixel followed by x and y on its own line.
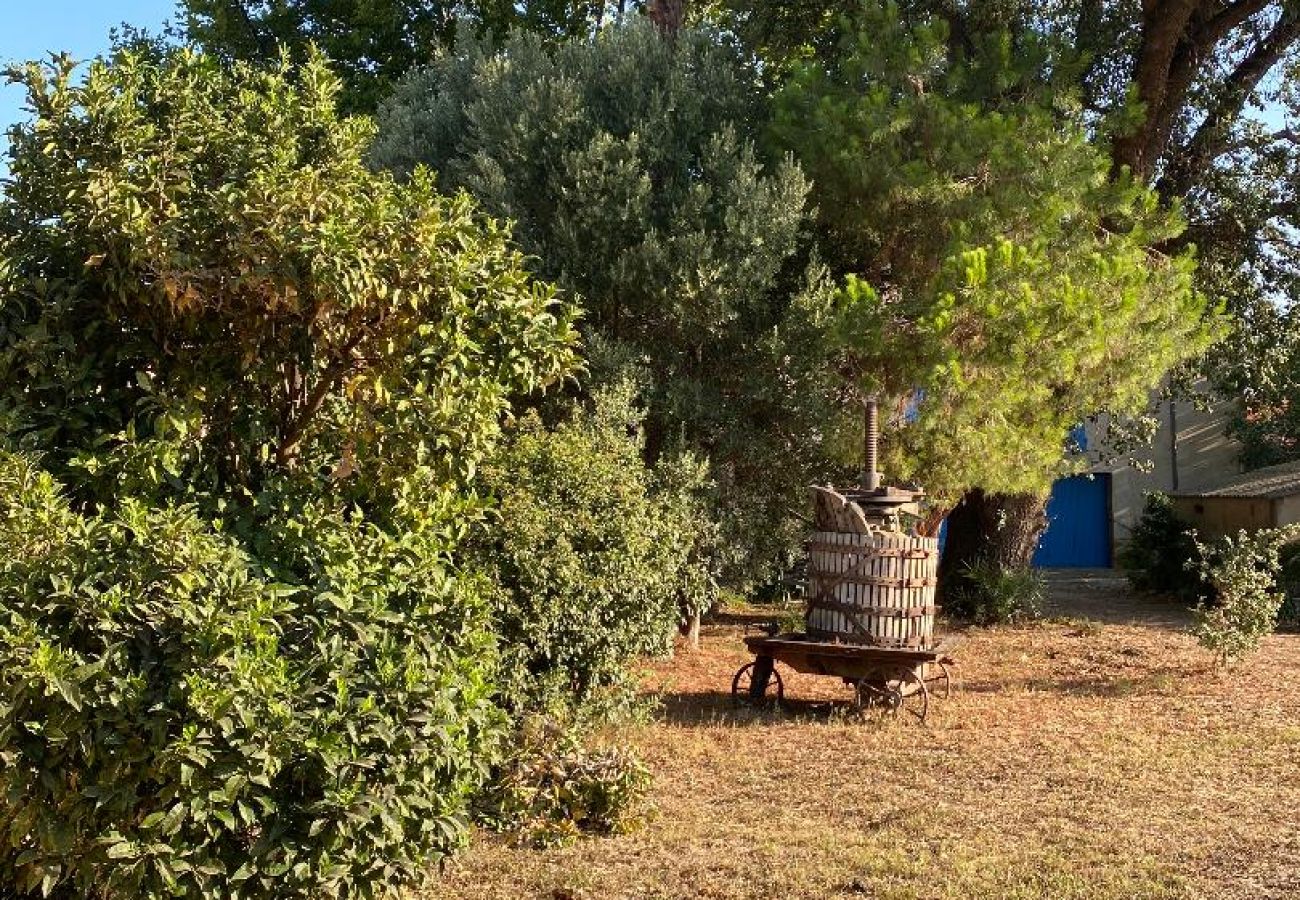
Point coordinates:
pixel 1000 285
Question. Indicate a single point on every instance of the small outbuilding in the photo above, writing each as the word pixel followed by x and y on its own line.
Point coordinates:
pixel 1263 498
pixel 1090 515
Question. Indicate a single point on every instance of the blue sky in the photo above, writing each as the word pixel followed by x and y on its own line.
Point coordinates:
pixel 30 29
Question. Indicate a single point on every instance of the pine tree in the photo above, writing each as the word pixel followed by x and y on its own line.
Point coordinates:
pixel 1003 286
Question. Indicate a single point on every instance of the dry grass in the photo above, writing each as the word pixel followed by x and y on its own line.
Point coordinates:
pixel 1096 756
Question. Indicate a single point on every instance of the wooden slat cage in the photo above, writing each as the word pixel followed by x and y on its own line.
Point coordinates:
pixel 868 584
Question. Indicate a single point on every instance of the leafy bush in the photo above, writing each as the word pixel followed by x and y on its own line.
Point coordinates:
pixel 239 661
pixel 991 594
pixel 595 556
pixel 1242 586
pixel 1161 553
pixel 1243 573
pixel 176 722
pixel 205 290
pixel 552 788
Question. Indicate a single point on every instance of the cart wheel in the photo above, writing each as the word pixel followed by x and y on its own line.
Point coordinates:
pixel 892 693
pixel 942 682
pixel 757 683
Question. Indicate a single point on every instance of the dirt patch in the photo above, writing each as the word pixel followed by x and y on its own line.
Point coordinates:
pixel 1103 595
pixel 1096 755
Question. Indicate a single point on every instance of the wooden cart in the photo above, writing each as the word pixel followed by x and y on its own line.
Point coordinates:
pixel 889 680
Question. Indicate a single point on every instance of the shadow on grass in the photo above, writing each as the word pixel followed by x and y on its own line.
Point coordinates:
pixel 1104 596
pixel 716 708
pixel 1159 683
pixel 750 619
pixel 711 708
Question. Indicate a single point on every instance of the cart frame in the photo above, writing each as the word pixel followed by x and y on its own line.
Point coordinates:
pixel 891 680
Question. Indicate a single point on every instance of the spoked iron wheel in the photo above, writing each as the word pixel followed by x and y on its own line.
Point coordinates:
pixel 941 680
pixel 757 684
pixel 898 694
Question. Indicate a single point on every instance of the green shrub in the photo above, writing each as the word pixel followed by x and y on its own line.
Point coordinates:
pixel 239 662
pixel 261 305
pixel 1161 555
pixel 553 788
pixel 991 594
pixel 176 722
pixel 596 557
pixel 1243 574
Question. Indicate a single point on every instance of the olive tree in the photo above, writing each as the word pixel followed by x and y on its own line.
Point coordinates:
pixel 627 165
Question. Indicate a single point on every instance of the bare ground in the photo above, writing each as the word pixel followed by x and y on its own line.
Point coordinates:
pixel 1095 755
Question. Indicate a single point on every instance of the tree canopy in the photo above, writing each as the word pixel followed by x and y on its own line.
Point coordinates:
pixel 628 167
pixel 1194 98
pixel 372 43
pixel 1002 286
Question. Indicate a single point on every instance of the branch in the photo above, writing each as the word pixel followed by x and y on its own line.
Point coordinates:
pixel 1278 240
pixel 959 39
pixel 1289 135
pixel 960 44
pixel 293 434
pixel 1213 29
pixel 264 49
pixel 667 15
pixel 1282 209
pixel 1190 57
pixel 1211 138
pixel 1159 124
pixel 1086 27
pixel 1164 23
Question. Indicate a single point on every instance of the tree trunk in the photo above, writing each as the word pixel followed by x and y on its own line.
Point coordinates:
pixel 999 528
pixel 668 16
pixel 690 629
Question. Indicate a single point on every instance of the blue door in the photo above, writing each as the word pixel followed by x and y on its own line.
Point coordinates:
pixel 1078 524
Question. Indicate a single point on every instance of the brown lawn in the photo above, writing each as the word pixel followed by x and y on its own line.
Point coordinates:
pixel 1096 755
